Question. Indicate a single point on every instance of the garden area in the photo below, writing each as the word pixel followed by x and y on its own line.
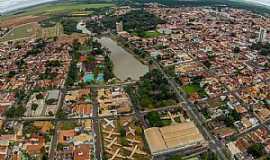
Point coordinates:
pixel 195 88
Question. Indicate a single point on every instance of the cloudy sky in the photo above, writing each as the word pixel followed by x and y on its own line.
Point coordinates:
pixel 265 2
pixel 8 5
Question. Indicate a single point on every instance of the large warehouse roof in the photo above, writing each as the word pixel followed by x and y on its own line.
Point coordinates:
pixel 172 137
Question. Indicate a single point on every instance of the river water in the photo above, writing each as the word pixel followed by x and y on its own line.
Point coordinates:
pixel 125 65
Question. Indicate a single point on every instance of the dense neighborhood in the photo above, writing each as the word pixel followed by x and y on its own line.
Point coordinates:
pixel 203 90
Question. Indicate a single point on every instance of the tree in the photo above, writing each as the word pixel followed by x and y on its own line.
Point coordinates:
pixel 154 119
pixel 70 26
pixel 256 150
pixel 39 96
pixel 29 128
pixel 13 111
pixel 123 141
pixel 61 114
pixel 122 132
pixel 34 106
pixel 20 95
pixel 175 157
pixel 50 113
pixel 265 51
pixel 11 74
pixel 207 63
pixel 236 50
pixel 45 156
pixel 209 156
pixel 146 102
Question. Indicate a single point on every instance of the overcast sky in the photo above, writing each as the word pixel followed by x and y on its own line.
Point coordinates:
pixel 9 5
pixel 265 2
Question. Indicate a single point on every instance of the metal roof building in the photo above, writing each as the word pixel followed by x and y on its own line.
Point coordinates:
pixel 173 138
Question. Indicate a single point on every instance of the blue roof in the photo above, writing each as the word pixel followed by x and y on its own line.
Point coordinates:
pixel 89 77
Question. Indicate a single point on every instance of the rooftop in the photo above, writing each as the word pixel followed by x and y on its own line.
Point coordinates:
pixel 172 137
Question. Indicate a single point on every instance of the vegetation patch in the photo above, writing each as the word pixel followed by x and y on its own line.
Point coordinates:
pixel 155 120
pixel 194 87
pixel 155 91
pixel 147 34
pixel 61 8
pixel 21 32
pixel 138 22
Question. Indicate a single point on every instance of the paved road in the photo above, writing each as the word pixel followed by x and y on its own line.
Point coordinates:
pixel 96 128
pixel 54 141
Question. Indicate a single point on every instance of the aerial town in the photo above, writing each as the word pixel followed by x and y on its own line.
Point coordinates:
pixel 117 81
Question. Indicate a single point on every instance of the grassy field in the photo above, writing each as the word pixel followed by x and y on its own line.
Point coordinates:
pixel 51 9
pixel 32 30
pixel 192 88
pixel 49 32
pixel 21 32
pixel 57 8
pixel 151 34
pixel 147 34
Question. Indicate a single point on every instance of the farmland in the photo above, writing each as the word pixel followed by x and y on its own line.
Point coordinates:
pixel 60 8
pixel 32 30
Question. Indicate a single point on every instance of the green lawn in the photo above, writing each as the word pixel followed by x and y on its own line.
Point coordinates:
pixel 192 88
pixel 147 34
pixel 166 122
pixel 67 125
pixel 151 34
pixel 24 31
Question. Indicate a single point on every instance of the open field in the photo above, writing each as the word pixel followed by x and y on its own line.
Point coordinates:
pixel 32 30
pixel 147 34
pixel 150 34
pixel 194 88
pixel 41 12
pixel 57 8
pixel 14 21
pixel 49 32
pixel 21 32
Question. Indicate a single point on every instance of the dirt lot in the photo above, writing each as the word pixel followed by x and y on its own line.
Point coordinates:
pixel 13 22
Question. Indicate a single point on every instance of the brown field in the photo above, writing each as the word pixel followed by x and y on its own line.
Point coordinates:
pixel 13 22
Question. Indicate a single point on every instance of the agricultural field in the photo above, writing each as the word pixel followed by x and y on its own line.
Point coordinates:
pixel 21 32
pixel 32 30
pixel 58 8
pixel 49 32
